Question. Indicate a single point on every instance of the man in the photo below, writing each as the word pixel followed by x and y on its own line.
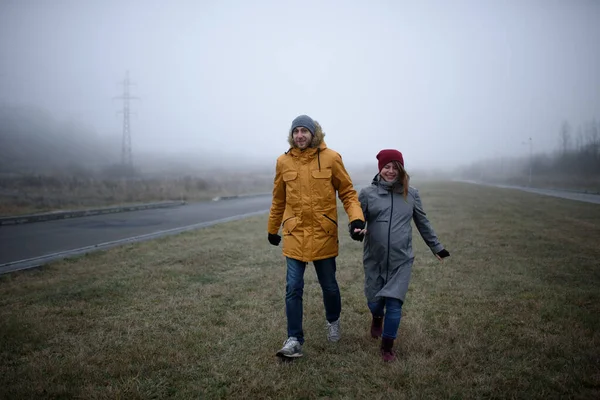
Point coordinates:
pixel 307 178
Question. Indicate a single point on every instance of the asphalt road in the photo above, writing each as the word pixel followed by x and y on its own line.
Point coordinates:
pixel 28 245
pixel 35 240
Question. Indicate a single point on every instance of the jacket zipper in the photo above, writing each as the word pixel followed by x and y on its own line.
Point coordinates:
pixel 387 271
pixel 287 219
pixel 330 219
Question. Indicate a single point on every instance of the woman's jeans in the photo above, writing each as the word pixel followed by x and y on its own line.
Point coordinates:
pixel 393 313
pixel 295 288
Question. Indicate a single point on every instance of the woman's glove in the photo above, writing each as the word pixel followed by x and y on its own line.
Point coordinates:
pixel 443 253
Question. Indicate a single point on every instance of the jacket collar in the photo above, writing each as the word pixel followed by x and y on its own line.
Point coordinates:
pixel 382 186
pixel 309 152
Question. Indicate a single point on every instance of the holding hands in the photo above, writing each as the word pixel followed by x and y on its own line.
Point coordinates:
pixel 357 230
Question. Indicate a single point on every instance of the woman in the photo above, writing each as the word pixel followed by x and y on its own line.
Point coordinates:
pixel 389 205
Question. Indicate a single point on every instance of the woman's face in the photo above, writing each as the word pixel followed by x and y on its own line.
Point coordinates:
pixel 389 172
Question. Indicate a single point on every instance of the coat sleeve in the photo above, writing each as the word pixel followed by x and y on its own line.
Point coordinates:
pixel 278 202
pixel 343 185
pixel 363 197
pixel 424 226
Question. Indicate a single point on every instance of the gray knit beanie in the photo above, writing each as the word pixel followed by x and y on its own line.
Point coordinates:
pixel 304 121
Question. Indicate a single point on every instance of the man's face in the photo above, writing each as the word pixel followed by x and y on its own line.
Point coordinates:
pixel 389 172
pixel 302 137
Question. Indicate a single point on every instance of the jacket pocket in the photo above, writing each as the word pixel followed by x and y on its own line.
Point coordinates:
pixel 292 192
pixel 329 225
pixel 290 176
pixel 289 225
pixel 322 188
pixel 322 174
pixel 383 216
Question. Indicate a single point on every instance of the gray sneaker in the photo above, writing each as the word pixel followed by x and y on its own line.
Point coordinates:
pixel 291 348
pixel 334 332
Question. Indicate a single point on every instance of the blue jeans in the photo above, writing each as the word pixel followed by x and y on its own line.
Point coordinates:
pixel 295 288
pixel 393 313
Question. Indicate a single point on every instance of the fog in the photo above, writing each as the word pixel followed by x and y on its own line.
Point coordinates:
pixel 446 83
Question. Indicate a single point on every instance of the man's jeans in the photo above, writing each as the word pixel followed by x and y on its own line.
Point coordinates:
pixel 295 288
pixel 393 313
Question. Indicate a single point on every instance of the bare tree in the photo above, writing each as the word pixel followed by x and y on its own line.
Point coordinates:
pixel 593 136
pixel 565 137
pixel 579 140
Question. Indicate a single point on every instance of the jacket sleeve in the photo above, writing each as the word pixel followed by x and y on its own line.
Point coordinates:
pixel 424 226
pixel 278 202
pixel 364 203
pixel 343 185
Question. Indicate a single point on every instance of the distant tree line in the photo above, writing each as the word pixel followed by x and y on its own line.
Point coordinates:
pixel 33 142
pixel 574 163
pixel 579 150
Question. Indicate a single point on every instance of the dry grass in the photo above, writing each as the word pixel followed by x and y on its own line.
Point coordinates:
pixel 579 183
pixel 35 194
pixel 514 313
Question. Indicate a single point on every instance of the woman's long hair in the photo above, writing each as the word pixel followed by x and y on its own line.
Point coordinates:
pixel 401 184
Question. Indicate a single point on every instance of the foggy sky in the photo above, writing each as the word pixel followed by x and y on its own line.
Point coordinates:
pixel 443 82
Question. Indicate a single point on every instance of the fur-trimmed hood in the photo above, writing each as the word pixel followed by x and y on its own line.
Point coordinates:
pixel 317 139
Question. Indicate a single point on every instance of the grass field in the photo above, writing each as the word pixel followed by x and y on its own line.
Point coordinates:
pixel 38 194
pixel 513 313
pixel 567 182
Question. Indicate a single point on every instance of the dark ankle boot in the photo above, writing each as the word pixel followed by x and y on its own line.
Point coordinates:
pixel 376 327
pixel 387 352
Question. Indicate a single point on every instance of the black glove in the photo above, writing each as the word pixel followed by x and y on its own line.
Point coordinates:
pixel 357 224
pixel 274 239
pixel 443 253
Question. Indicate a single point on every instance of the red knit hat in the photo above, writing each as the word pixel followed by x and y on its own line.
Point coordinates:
pixel 387 155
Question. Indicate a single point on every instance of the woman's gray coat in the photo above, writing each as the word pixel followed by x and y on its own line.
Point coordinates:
pixel 388 254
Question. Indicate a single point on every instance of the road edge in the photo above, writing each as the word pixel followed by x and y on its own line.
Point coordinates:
pixel 43 260
pixel 42 217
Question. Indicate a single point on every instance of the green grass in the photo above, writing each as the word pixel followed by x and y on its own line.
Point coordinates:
pixel 513 313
